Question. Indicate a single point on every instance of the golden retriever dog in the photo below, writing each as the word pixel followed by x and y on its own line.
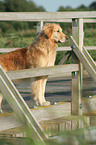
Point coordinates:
pixel 41 53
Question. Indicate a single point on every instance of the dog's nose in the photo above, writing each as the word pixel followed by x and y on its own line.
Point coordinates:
pixel 67 37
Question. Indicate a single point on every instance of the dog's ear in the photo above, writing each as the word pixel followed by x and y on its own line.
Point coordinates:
pixel 48 30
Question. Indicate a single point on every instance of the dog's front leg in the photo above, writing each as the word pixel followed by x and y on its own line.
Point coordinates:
pixel 38 90
pixel 44 80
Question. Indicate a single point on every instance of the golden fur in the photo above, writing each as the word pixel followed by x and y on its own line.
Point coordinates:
pixel 41 53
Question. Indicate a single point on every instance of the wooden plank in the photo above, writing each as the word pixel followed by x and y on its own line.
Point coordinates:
pixel 66 48
pixel 39 27
pixel 52 70
pixel 65 58
pixel 21 109
pixel 76 94
pixel 90 47
pixel 89 58
pixel 86 60
pixel 65 123
pixel 5 50
pixel 44 16
pixel 89 20
pixel 9 120
pixel 77 31
pixel 81 38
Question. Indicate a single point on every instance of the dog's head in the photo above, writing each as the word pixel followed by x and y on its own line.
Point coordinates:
pixel 54 32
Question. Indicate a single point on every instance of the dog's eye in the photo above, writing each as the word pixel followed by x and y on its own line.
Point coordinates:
pixel 58 31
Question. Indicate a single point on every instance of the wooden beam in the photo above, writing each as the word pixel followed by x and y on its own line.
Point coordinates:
pixel 66 48
pixel 6 50
pixel 76 94
pixel 65 58
pixel 45 16
pixel 21 109
pixel 39 27
pixel 77 33
pixel 52 70
pixel 86 60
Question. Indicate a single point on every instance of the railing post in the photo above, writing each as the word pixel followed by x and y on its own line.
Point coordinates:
pixel 77 33
pixel 39 26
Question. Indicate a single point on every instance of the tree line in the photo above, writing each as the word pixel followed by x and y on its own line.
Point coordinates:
pixel 19 6
pixel 30 6
pixel 91 7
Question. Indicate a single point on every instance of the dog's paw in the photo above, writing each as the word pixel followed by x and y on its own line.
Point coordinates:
pixel 47 103
pixel 1 111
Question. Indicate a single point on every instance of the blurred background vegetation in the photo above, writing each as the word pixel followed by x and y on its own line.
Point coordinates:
pixel 21 34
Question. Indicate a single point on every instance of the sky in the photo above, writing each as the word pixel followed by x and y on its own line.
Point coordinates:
pixel 53 5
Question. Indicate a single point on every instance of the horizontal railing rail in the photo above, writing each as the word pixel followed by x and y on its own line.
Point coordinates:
pixel 45 16
pixel 44 71
pixel 66 48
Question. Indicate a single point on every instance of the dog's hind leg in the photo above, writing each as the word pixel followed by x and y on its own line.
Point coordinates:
pixel 1 97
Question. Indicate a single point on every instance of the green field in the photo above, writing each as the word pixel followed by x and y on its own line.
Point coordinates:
pixel 24 38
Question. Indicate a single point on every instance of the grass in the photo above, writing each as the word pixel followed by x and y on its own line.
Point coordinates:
pixel 24 38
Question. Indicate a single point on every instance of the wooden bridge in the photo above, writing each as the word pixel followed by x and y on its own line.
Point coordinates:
pixel 82 60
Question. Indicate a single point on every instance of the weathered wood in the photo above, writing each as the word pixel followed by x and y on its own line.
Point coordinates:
pixel 5 50
pixel 52 70
pixel 89 58
pixel 89 20
pixel 86 60
pixel 20 108
pixel 39 27
pixel 76 95
pixel 77 33
pixel 66 48
pixel 9 120
pixel 45 16
pixel 66 123
pixel 65 58
pixel 90 47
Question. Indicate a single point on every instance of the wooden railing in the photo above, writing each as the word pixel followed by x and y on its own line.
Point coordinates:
pixel 81 55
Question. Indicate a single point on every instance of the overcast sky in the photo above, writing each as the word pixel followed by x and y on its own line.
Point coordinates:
pixel 53 5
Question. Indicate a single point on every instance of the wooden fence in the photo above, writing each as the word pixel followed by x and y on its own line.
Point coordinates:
pixel 80 57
